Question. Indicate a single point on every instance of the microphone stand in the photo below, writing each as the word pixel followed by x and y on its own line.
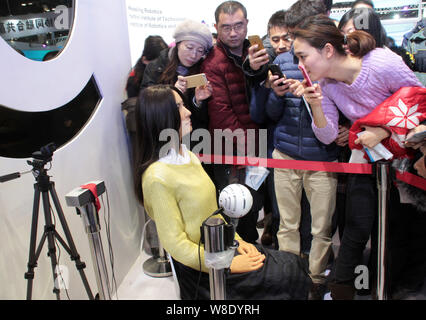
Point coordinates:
pixel 218 238
pixel 214 243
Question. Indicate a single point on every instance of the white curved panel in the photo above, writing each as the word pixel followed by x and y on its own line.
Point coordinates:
pixel 98 45
pixel 55 82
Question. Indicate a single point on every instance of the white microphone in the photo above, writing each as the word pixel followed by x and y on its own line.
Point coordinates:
pixel 236 200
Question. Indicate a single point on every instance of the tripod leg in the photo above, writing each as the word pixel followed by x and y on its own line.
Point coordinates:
pixel 74 254
pixel 32 260
pixel 49 230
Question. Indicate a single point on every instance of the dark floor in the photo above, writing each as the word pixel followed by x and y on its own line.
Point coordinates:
pixel 419 295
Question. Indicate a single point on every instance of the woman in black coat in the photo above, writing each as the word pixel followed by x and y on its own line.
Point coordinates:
pixel 152 47
pixel 193 42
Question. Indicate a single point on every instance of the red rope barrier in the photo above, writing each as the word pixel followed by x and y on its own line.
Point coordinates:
pixel 338 167
pixel 412 179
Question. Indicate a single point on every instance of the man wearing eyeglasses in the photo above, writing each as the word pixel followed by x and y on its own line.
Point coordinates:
pixel 228 106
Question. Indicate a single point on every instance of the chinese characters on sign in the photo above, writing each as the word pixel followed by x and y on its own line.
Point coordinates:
pixel 32 24
pixel 24 25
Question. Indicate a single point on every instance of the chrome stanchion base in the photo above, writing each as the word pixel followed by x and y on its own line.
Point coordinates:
pixel 157 267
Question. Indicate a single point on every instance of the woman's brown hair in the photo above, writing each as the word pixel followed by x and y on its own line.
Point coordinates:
pixel 319 30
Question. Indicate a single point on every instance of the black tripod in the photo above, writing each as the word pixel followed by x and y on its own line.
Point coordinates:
pixel 44 186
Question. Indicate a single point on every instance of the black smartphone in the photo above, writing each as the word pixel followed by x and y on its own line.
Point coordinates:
pixel 276 71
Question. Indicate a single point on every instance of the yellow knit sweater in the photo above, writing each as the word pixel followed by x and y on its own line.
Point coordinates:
pixel 179 197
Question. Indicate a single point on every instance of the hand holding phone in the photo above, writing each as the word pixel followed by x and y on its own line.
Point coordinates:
pixel 417 137
pixel 306 76
pixel 276 71
pixel 257 55
pixel 256 40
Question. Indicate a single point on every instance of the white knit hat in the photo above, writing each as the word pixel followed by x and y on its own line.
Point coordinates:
pixel 194 31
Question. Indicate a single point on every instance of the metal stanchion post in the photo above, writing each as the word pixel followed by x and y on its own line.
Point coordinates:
pixel 158 267
pixel 214 235
pixel 82 199
pixel 383 183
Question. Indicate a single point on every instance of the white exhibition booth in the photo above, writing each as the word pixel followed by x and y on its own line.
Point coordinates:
pixel 106 40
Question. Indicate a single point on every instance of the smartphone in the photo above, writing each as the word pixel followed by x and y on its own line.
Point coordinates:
pixel 196 80
pixel 256 40
pixel 417 137
pixel 276 71
pixel 305 75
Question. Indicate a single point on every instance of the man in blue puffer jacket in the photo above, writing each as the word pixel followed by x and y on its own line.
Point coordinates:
pixel 293 139
pixel 279 41
pixel 288 119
